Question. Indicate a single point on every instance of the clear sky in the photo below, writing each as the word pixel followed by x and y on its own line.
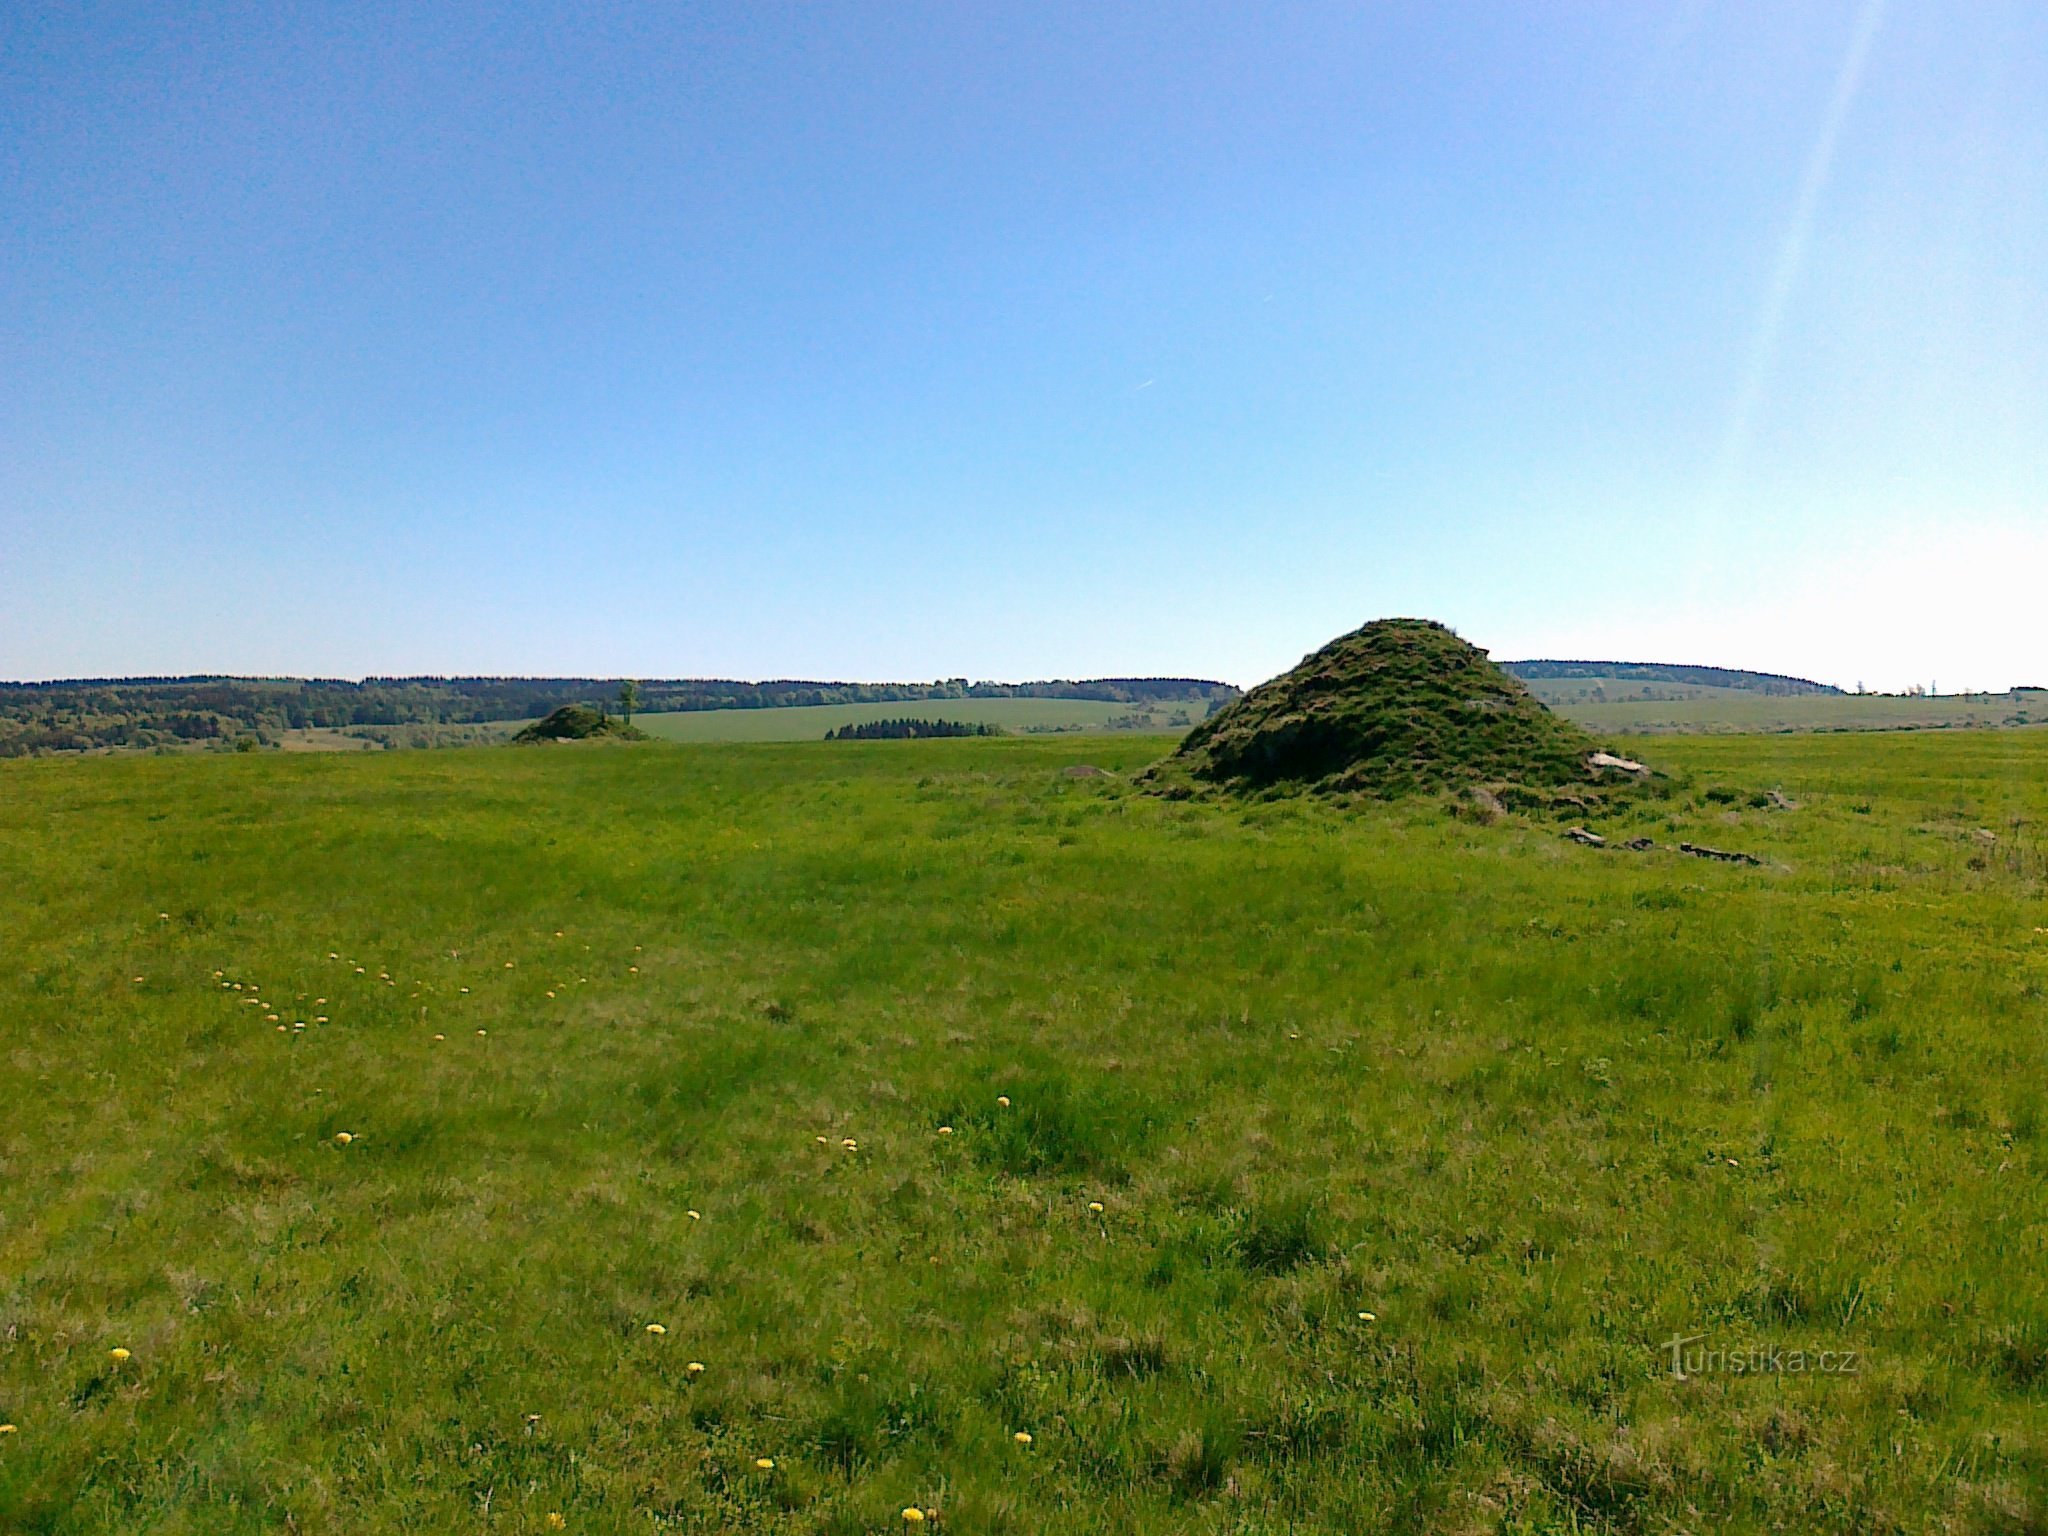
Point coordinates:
pixel 901 340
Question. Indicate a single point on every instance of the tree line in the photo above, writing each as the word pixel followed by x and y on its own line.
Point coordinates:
pixel 174 712
pixel 1775 683
pixel 909 730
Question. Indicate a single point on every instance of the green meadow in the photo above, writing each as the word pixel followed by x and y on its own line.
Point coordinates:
pixel 1739 711
pixel 1023 1150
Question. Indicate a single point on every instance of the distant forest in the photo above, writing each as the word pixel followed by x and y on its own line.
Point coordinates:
pixel 910 730
pixel 197 712
pixel 1661 672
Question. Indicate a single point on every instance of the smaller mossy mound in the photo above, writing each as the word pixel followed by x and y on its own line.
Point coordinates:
pixel 1401 706
pixel 579 722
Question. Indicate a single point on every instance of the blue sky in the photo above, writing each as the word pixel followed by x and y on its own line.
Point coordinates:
pixel 902 341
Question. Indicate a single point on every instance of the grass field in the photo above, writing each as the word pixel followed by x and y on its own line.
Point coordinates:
pixel 1735 711
pixel 1274 1169
pixel 810 722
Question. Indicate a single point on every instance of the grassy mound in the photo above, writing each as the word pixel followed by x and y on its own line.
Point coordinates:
pixel 1400 706
pixel 579 722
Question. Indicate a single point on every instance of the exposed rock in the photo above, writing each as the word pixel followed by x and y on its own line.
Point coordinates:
pixel 1701 851
pixel 1589 839
pixel 1608 761
pixel 1483 805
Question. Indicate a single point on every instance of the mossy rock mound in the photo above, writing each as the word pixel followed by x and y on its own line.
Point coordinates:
pixel 1401 706
pixel 579 722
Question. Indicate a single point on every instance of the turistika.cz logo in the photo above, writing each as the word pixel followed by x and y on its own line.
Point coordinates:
pixel 1688 1356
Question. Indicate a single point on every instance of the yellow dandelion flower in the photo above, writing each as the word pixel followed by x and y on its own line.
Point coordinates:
pixel 138 981
pixel 912 1515
pixel 483 1031
pixel 850 1144
pixel 694 1368
pixel 555 1520
pixel 119 1354
pixel 945 1130
pixel 551 994
pixel 508 965
pixel 1003 1099
pixel 359 970
pixel 1022 1437
pixel 9 1429
pixel 694 1215
pixel 282 1030
pixel 558 933
pixel 824 1141
pixel 163 917
pixel 343 1137
pixel 765 1463
pixel 1095 1206
pixel 440 1037
pixel 1368 1317
pixel 656 1328
pixel 320 1018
